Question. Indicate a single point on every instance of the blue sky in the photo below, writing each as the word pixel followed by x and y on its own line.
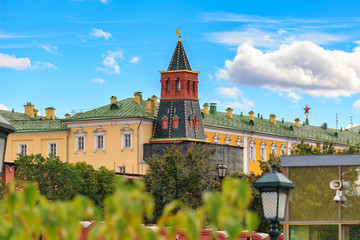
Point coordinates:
pixel 271 57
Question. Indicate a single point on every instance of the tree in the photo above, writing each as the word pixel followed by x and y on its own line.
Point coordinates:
pixel 183 177
pixel 57 180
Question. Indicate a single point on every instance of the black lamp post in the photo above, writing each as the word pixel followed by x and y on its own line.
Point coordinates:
pixel 274 190
pixel 221 171
pixel 5 129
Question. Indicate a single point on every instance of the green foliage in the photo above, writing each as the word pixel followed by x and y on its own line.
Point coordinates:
pixel 183 177
pixel 62 181
pixel 27 214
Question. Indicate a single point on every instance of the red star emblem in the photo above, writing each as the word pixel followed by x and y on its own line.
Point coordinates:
pixel 306 109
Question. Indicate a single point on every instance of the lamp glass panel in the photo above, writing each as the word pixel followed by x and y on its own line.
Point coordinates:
pixel 269 202
pixel 222 172
pixel 312 199
pixel 351 190
pixel 282 205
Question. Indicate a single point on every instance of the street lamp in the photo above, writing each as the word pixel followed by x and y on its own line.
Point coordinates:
pixel 5 129
pixel 274 191
pixel 221 171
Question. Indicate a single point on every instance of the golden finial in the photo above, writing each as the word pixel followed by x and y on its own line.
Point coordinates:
pixel 178 32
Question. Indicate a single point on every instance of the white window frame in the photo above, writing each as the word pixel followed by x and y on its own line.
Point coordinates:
pixel 263 151
pixel 239 142
pixel 121 169
pixel 99 132
pixel 274 148
pixel 216 139
pixel 49 148
pixel 80 133
pixel 20 148
pixel 252 150
pixel 283 149
pixel 227 140
pixel 124 131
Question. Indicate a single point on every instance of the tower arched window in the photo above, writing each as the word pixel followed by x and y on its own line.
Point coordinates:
pixel 188 84
pixel 191 118
pixel 175 123
pixel 178 84
pixel 194 87
pixel 165 123
pixel 168 85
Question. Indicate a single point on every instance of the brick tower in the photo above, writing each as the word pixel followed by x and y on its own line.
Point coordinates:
pixel 179 116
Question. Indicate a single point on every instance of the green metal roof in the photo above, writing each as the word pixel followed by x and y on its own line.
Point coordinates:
pixel 286 129
pixel 127 108
pixel 24 123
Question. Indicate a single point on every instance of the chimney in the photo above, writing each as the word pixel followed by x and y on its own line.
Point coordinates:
pixel 206 109
pixel 50 113
pixel 273 119
pixel 35 112
pixel 67 115
pixel 113 99
pixel 29 109
pixel 297 122
pixel 213 108
pixel 155 98
pixel 251 116
pixel 150 106
pixel 138 97
pixel 229 112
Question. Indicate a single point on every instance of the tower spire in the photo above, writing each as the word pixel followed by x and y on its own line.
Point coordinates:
pixel 179 60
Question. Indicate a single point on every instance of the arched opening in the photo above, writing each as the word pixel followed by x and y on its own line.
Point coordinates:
pixel 168 84
pixel 175 122
pixel 165 123
pixel 178 84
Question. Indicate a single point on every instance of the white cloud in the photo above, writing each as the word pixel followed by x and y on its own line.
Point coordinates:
pixel 301 66
pixel 296 97
pixel 356 104
pixel 104 1
pixel 51 49
pixel 234 93
pixel 109 62
pixel 10 61
pixel 3 107
pixel 281 31
pixel 100 33
pixel 134 60
pixel 44 65
pixel 98 80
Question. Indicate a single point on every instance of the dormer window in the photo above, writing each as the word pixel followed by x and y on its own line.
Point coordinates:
pixel 191 118
pixel 197 122
pixel 175 122
pixel 165 123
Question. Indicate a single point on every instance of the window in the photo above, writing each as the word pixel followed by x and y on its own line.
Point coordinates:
pixel 188 85
pixel 197 122
pixel 126 138
pixel 191 118
pixel 99 139
pixel 23 148
pixel 121 169
pixel 178 84
pixel 274 148
pixel 168 88
pixel 100 142
pixel 80 140
pixel 52 149
pixel 165 123
pixel 263 150
pixel 175 122
pixel 283 148
pixel 252 150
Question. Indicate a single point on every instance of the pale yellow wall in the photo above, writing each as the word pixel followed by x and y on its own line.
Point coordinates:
pixel 113 156
pixel 254 166
pixel 37 143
